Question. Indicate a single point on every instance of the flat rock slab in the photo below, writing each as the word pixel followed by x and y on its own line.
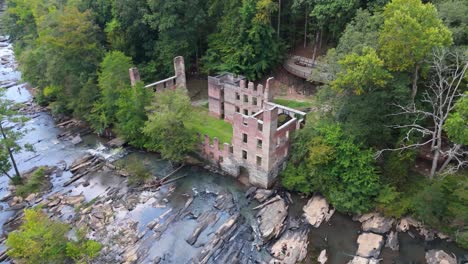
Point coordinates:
pixel 317 210
pixel 439 257
pixel 271 217
pixel 376 223
pixel 262 195
pixel 116 142
pixel 291 248
pixel 361 260
pixel 369 245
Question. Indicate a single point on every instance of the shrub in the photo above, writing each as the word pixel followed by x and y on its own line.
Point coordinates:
pixel 33 184
pixel 42 240
pixel 138 173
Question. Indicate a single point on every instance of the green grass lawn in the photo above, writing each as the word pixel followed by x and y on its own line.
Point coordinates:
pixel 205 124
pixel 299 105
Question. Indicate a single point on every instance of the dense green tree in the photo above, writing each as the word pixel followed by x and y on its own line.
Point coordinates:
pixel 333 15
pixel 245 42
pixel 113 79
pixel 128 31
pixel 443 205
pixel 326 160
pixel 42 240
pixel 38 240
pixel 62 55
pixel 411 30
pixel 9 138
pixel 132 114
pixel 19 21
pixel 182 27
pixel 165 127
pixel 362 31
pixel 453 13
pixel 361 73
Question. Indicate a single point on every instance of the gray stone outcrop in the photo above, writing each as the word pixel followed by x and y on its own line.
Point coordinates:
pixel 317 210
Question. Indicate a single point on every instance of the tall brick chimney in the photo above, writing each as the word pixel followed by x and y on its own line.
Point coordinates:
pixel 179 68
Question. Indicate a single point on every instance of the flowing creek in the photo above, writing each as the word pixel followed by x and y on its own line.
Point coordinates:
pixel 338 236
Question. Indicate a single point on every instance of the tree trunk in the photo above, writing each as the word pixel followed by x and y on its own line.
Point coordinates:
pixel 18 175
pixel 415 82
pixel 450 157
pixel 6 173
pixel 437 149
pixel 279 19
pixel 321 37
pixel 434 163
pixel 317 35
pixel 305 27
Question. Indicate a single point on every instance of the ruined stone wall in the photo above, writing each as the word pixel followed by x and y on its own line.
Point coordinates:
pixel 258 144
pixel 176 81
pixel 215 97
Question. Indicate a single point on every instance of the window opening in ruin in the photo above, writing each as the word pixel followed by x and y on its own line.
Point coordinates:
pixel 244 154
pixel 237 96
pixel 246 98
pixel 231 149
pixel 246 112
pixel 244 138
pixel 260 126
pixel 221 159
pixel 259 161
pixel 237 109
pixel 259 143
pixel 254 101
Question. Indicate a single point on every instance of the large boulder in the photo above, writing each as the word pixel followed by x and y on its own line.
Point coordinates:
pixel 375 222
pixel 359 260
pixel 291 248
pixel 271 217
pixel 262 195
pixel 439 257
pixel 317 210
pixel 322 258
pixel 405 223
pixel 369 245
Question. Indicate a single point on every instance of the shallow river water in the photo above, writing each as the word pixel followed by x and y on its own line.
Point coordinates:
pixel 338 236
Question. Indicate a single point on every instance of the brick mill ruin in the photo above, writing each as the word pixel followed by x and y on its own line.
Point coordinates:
pixel 261 129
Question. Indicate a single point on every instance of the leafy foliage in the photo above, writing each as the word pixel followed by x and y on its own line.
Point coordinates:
pixel 245 42
pixel 131 114
pixel 33 184
pixel 42 240
pixel 9 139
pixel 443 204
pixel 165 128
pixel 456 125
pixel 361 73
pixel 113 79
pixel 411 30
pixel 335 166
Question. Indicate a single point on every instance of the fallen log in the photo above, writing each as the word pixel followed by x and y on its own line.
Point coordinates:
pixel 275 199
pixel 173 180
pixel 170 174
